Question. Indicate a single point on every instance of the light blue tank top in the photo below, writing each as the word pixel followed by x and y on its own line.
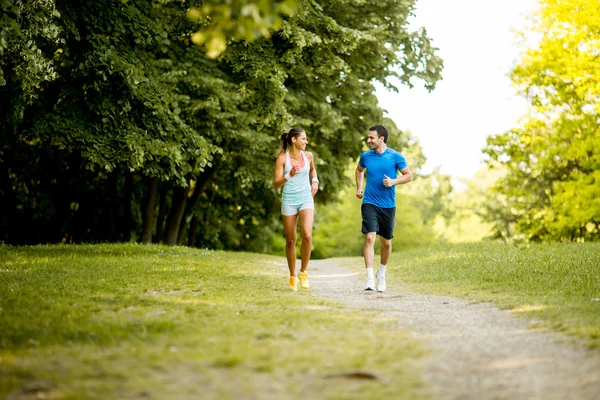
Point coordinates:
pixel 297 190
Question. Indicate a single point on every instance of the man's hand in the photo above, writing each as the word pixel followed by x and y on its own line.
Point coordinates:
pixel 388 182
pixel 359 174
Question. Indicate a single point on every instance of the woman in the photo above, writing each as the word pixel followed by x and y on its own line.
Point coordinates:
pixel 295 172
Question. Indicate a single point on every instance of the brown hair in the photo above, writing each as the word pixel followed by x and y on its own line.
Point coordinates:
pixel 286 139
pixel 381 132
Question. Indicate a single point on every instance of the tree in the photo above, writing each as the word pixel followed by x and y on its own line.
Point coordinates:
pixel 553 159
pixel 109 111
pixel 138 121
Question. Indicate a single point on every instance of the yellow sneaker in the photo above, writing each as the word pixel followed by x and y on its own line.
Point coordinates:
pixel 303 280
pixel 294 283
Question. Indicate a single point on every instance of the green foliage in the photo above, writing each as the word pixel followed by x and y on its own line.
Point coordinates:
pixel 114 321
pixel 476 211
pixel 105 105
pixel 337 227
pixel 552 159
pixel 29 36
pixel 237 19
pixel 134 100
pixel 431 194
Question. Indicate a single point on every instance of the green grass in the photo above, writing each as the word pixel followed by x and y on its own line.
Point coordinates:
pixel 130 321
pixel 557 285
pixel 152 322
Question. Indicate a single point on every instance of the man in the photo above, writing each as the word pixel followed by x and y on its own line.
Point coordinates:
pixel 379 201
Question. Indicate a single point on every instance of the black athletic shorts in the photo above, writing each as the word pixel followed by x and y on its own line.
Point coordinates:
pixel 379 220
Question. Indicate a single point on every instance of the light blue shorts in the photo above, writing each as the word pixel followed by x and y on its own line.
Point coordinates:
pixel 293 209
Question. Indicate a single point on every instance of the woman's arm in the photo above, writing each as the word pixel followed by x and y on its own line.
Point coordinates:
pixel 314 180
pixel 278 178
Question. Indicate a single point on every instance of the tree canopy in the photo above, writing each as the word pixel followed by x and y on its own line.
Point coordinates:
pixel 128 130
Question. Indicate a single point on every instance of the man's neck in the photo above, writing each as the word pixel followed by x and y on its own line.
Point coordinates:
pixel 381 149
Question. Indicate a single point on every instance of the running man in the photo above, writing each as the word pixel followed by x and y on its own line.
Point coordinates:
pixel 379 200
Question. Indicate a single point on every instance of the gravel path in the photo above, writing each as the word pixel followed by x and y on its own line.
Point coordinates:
pixel 478 351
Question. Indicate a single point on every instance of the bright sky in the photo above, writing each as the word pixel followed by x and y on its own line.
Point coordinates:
pixel 475 99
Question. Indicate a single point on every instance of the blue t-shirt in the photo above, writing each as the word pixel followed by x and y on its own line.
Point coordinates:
pixel 387 163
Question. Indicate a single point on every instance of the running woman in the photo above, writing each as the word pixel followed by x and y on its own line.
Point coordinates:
pixel 295 172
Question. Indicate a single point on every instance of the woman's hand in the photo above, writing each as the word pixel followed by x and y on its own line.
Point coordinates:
pixel 314 188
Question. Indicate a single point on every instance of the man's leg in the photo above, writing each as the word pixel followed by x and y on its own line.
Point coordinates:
pixel 386 251
pixel 386 233
pixel 369 255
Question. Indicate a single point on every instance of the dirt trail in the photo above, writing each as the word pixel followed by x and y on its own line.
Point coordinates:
pixel 478 351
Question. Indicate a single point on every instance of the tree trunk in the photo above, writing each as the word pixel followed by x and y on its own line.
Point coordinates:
pixel 162 212
pixel 201 183
pixel 127 224
pixel 193 231
pixel 149 211
pixel 507 228
pixel 113 205
pixel 175 215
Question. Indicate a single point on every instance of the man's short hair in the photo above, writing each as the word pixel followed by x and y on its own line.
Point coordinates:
pixel 381 131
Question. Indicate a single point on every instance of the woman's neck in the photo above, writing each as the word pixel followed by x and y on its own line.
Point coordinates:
pixel 295 152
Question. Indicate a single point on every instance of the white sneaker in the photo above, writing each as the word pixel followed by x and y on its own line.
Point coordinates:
pixel 380 282
pixel 370 284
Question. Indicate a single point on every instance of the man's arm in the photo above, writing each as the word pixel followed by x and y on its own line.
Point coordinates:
pixel 404 178
pixel 359 175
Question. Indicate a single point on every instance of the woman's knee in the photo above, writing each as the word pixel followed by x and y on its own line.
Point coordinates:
pixel 290 241
pixel 307 237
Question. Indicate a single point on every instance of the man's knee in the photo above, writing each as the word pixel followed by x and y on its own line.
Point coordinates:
pixel 370 238
pixel 386 244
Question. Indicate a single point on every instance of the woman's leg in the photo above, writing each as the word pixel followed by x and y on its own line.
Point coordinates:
pixel 289 226
pixel 306 226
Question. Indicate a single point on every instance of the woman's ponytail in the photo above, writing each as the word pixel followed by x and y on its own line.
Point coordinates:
pixel 283 143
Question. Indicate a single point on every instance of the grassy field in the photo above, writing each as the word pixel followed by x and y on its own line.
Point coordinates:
pixel 150 322
pixel 556 285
